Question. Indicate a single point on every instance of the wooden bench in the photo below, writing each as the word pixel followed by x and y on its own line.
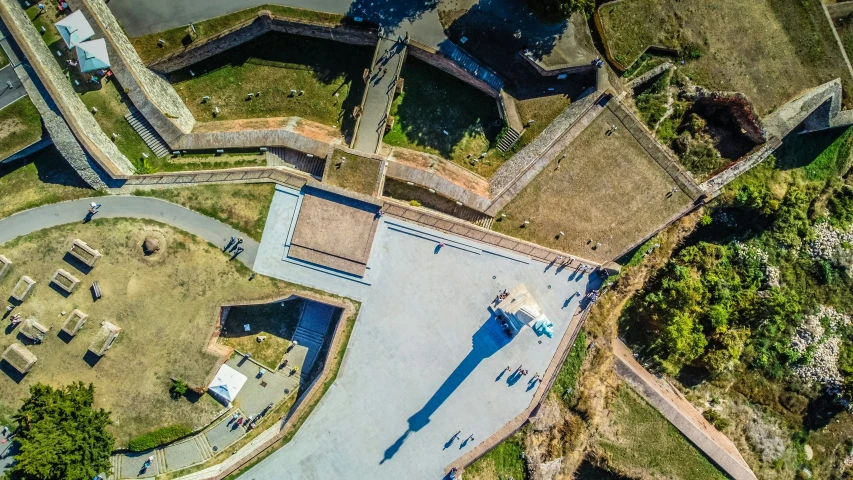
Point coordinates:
pixel 96 289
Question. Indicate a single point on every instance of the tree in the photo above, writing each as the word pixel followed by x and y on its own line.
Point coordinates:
pixel 61 436
pixel 560 9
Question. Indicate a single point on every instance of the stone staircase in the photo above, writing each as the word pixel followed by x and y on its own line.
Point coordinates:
pixel 150 136
pixel 311 331
pixel 280 157
pixel 473 216
pixel 204 446
pixel 473 67
pixel 115 463
pixel 508 139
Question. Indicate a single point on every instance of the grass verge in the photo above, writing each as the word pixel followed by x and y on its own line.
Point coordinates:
pixel 158 437
pixel 243 206
pixel 20 126
pixel 504 461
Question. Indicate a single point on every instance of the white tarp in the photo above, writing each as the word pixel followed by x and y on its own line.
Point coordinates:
pixel 74 29
pixel 226 384
pixel 92 55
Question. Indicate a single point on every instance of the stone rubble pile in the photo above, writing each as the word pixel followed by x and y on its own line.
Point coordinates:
pixel 826 345
pixel 828 241
pixel 753 253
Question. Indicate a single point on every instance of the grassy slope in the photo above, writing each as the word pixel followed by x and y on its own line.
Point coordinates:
pixel 243 206
pixel 433 102
pixel 794 48
pixel 20 126
pixel 42 178
pixel 149 49
pixel 359 174
pixel 640 441
pixel 503 461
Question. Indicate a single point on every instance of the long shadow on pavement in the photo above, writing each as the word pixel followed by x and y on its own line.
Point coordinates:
pixel 488 340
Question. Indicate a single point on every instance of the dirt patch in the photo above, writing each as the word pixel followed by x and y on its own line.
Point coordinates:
pixel 444 169
pixel 10 127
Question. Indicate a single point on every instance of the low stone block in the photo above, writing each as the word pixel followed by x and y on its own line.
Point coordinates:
pixel 75 321
pixel 23 288
pixel 5 266
pixel 65 280
pixel 83 252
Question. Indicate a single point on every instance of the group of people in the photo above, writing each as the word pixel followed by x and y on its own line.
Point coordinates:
pixel 234 246
pixel 251 421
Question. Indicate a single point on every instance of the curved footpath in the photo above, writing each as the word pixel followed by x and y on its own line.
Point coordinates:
pixel 124 206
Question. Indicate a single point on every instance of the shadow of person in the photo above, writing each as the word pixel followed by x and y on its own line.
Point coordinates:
pixel 487 340
pixel 514 378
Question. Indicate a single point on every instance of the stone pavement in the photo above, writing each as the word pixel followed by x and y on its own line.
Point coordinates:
pixel 426 359
pixel 380 92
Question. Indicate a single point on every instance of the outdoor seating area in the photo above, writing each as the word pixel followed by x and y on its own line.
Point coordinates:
pixel 23 288
pixel 83 252
pixel 19 358
pixel 75 321
pixel 104 339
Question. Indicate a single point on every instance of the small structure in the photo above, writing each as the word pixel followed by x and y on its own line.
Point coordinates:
pixel 23 288
pixel 83 252
pixel 520 309
pixel 104 339
pixel 75 321
pixel 65 280
pixel 19 358
pixel 5 266
pixel 74 29
pixel 92 55
pixel 96 290
pixel 226 384
pixel 33 330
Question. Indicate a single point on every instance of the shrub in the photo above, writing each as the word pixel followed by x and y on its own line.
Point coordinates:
pixel 159 437
pixel 716 419
pixel 178 389
pixel 692 51
pixel 414 203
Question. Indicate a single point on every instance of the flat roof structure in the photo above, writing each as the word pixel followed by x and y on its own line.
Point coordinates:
pixel 334 231
pixel 104 339
pixel 19 358
pixel 75 321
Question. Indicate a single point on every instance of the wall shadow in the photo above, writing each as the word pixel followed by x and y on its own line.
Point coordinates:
pixel 390 14
pixel 488 340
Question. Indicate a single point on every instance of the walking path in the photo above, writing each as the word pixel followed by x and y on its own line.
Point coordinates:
pixel 121 206
pixel 682 414
pixel 381 82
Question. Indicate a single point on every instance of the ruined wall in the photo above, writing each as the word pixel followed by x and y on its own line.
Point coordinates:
pixel 151 94
pixel 81 121
pixel 738 106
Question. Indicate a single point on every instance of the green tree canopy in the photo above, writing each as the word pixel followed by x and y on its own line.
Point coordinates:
pixel 62 437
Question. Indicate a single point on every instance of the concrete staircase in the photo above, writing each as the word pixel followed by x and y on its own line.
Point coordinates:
pixel 472 66
pixel 280 156
pixel 311 331
pixel 204 446
pixel 475 217
pixel 115 463
pixel 150 136
pixel 508 139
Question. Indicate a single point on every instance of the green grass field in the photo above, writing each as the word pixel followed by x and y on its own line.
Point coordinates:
pixel 640 442
pixel 353 172
pixel 503 461
pixel 20 126
pixel 794 48
pixel 325 74
pixel 434 102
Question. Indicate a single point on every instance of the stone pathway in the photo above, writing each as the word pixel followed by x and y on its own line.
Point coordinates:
pixel 380 92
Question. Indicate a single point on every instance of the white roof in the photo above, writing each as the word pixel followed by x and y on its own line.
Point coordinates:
pixel 227 384
pixel 92 55
pixel 74 29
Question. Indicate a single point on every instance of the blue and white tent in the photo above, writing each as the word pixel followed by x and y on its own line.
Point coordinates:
pixel 74 29
pixel 92 55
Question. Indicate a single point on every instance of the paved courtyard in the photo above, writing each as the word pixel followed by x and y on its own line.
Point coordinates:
pixel 425 359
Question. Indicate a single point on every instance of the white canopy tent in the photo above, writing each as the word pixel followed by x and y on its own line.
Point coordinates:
pixel 92 55
pixel 74 29
pixel 226 384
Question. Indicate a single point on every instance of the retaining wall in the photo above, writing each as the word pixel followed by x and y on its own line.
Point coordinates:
pixel 436 59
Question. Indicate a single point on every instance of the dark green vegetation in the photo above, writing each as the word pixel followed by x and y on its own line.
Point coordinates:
pixel 503 461
pixel 178 38
pixel 434 102
pixel 652 103
pixel 40 179
pixel 640 441
pixel 325 74
pixel 158 437
pixel 20 126
pixel 567 377
pixel 61 436
pixel 557 10
pixel 722 312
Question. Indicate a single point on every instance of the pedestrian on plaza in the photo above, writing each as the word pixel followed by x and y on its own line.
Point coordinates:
pixel 384 71
pixel 470 438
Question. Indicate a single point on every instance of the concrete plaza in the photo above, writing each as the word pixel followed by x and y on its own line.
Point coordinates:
pixel 426 359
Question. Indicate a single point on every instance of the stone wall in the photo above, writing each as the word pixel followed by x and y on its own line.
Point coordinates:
pixel 807 106
pixel 441 185
pixel 441 62
pixel 150 93
pixel 736 104
pixel 249 30
pixel 279 137
pixel 84 127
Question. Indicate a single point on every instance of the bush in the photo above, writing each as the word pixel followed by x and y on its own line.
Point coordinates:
pixel 159 437
pixel 716 419
pixel 414 203
pixel 178 389
pixel 692 51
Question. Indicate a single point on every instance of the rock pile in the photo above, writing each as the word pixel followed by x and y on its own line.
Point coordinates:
pixel 828 242
pixel 751 253
pixel 824 344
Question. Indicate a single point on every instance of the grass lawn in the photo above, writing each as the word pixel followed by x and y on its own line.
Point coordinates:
pixel 543 111
pixel 503 461
pixel 243 206
pixel 640 442
pixel 607 190
pixel 178 38
pixel 42 178
pixel 212 161
pixel 794 48
pixel 276 321
pixel 20 126
pixel 356 173
pixel 434 102
pixel 166 306
pixel 328 72
pixel 4 60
